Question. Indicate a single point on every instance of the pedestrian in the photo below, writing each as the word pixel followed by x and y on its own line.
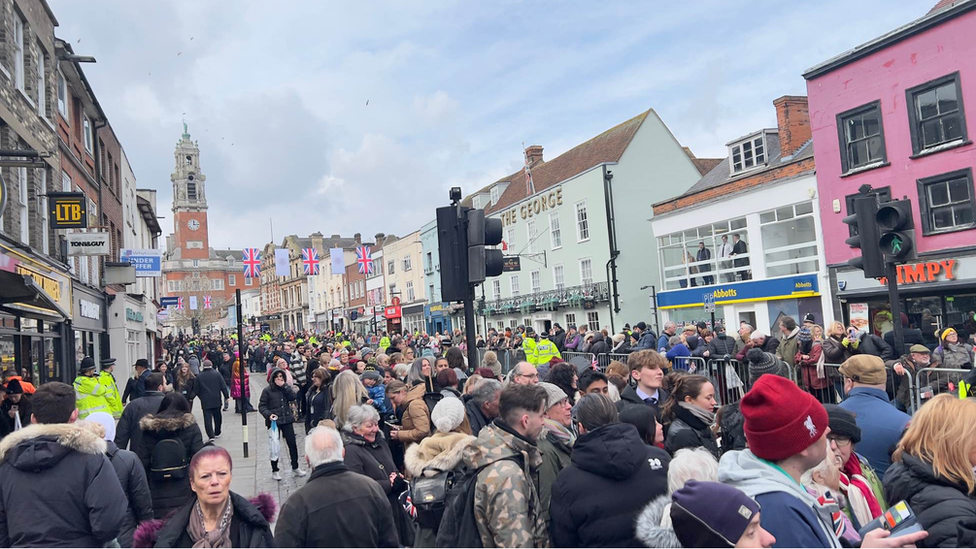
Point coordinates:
pixel 953 353
pixel 142 377
pixel 57 486
pixel 933 469
pixel 131 474
pixel 905 367
pixel 643 419
pixel 319 397
pixel 91 393
pixel 185 383
pixel 275 406
pixel 163 368
pixel 856 472
pixel 214 516
pixel 786 351
pixel 347 391
pixel 653 527
pixel 882 425
pixel 647 371
pixel 330 510
pixel 194 363
pixel 689 415
pixel 413 412
pixel 241 405
pixel 823 483
pixel 506 504
pixel 106 378
pixel 698 522
pixel 210 387
pixel 482 407
pixel 367 453
pixel 11 374
pixel 613 475
pixel 170 437
pixel 129 434
pixel 555 443
pixel 16 409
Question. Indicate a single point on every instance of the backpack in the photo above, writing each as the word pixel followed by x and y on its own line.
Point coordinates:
pixel 168 460
pixel 429 497
pixel 732 427
pixel 460 527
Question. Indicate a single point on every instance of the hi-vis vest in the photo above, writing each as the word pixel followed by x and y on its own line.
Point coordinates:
pixel 545 351
pixel 384 343
pixel 90 396
pixel 112 396
pixel 528 347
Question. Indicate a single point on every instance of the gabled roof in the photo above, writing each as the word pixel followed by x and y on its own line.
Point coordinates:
pixel 609 146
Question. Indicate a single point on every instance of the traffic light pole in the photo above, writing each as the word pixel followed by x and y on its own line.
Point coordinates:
pixel 240 368
pixel 895 303
pixel 469 330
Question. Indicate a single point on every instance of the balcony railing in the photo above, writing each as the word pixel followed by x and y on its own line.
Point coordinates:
pixel 549 300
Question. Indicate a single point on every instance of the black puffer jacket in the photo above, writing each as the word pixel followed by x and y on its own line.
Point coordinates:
pixel 613 475
pixel 168 494
pixel 275 401
pixel 687 431
pixel 132 477
pixel 873 345
pixel 374 460
pixel 720 346
pixel 940 504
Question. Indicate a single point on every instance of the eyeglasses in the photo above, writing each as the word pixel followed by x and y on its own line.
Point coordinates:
pixel 841 442
pixel 533 374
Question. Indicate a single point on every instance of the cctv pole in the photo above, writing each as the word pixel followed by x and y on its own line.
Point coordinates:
pixel 240 368
pixel 891 273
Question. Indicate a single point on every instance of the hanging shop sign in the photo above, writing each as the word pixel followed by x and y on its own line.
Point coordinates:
pixel 148 263
pixel 742 292
pixel 512 264
pixel 68 210
pixel 392 312
pixel 87 243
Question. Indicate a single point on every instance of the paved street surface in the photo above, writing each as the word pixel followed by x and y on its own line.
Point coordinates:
pixel 252 475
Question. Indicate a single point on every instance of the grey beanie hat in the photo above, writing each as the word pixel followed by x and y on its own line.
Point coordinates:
pixel 761 363
pixel 553 394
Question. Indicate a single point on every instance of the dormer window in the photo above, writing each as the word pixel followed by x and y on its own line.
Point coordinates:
pixel 476 202
pixel 496 193
pixel 748 154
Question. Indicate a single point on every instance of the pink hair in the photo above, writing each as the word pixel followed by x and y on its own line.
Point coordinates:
pixel 206 452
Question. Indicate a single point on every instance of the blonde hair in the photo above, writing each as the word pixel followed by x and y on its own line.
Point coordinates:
pixel 347 391
pixel 836 328
pixel 942 434
pixel 472 383
pixel 619 368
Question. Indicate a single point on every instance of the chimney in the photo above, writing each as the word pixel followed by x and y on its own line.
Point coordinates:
pixel 334 237
pixel 358 237
pixel 534 154
pixel 380 237
pixel 793 119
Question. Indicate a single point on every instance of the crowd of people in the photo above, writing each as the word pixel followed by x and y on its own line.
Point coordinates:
pixel 407 445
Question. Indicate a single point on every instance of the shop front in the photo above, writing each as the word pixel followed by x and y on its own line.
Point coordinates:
pixel 394 319
pixel 413 318
pixel 436 318
pixel 936 293
pixel 760 303
pixel 127 333
pixel 87 326
pixel 35 305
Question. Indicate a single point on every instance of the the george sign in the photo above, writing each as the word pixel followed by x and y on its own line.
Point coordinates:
pixel 68 210
pixel 90 310
pixel 148 263
pixel 533 206
pixel 87 243
pixel 513 263
pixel 741 292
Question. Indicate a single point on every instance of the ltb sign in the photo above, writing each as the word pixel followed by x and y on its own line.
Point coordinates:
pixel 68 210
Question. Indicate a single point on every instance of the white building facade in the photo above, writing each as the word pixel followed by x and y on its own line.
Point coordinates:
pixel 405 280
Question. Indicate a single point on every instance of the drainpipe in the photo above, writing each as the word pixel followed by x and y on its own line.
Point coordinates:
pixel 105 347
pixel 614 252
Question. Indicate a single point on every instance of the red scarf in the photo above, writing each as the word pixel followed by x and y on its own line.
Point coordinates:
pixel 852 468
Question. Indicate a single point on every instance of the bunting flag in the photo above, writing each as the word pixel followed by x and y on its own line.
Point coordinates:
pixel 206 302
pixel 252 262
pixel 179 303
pixel 364 257
pixel 282 267
pixel 338 265
pixel 193 302
pixel 310 260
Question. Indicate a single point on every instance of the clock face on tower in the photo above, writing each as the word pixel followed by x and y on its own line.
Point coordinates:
pixel 193 224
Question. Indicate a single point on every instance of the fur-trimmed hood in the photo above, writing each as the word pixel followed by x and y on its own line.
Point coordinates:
pixel 40 446
pixel 153 423
pixel 441 452
pixel 648 528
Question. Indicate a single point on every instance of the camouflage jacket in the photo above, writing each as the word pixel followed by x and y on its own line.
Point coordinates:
pixel 506 503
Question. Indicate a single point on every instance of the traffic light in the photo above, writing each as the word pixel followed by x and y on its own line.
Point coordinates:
pixel 897 231
pixel 865 237
pixel 482 232
pixel 452 248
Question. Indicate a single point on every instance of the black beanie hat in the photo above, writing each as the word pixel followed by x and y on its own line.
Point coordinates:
pixel 699 522
pixel 843 422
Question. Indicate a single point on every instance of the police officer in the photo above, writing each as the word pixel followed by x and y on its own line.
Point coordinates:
pixel 89 392
pixel 107 379
pixel 545 350
pixel 529 346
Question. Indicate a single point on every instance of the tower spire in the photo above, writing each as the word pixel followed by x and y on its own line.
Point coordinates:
pixel 186 134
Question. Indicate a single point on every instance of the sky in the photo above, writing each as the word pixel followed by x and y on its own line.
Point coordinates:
pixel 357 117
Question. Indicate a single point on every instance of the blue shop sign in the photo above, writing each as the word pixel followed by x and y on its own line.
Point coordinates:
pixel 436 309
pixel 741 292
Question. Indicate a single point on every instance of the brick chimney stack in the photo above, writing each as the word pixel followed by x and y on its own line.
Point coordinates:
pixel 534 154
pixel 793 119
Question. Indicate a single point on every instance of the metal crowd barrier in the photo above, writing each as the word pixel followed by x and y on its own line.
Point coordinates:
pixel 934 381
pixel 690 364
pixel 604 360
pixel 729 379
pixel 505 358
pixel 830 388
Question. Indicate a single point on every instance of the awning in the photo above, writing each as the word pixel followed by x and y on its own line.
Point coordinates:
pixel 25 295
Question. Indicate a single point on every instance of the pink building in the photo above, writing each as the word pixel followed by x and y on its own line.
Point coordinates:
pixel 891 114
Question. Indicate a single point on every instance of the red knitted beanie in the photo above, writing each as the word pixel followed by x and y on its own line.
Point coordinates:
pixel 781 420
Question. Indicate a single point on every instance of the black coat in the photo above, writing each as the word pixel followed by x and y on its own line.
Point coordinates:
pixel 720 346
pixel 274 401
pixel 476 417
pixel 188 388
pixel 329 511
pixel 209 386
pixel 374 460
pixel 128 433
pixel 168 494
pixel 58 489
pixel 873 345
pixel 687 431
pixel 132 477
pixel 628 397
pixel 597 499
pixel 248 527
pixel 24 410
pixel 912 336
pixel 319 407
pixel 559 339
pixel 939 503
pixel 599 345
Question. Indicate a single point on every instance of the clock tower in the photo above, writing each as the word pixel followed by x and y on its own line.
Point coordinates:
pixel 190 201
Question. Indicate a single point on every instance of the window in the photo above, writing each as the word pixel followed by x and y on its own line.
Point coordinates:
pixel 390 266
pixel 87 127
pixel 558 277
pixel 191 188
pixel 496 288
pixel 570 320
pixel 947 202
pixel 217 284
pixel 476 202
pixel 532 233
pixel 247 281
pixel 411 296
pixel 171 285
pixel 232 280
pixel 593 320
pixel 407 263
pixel 582 224
pixel 65 182
pixel 62 96
pixel 861 137
pixel 196 262
pixel 19 52
pixel 24 216
pixel 789 240
pixel 510 239
pixel 748 154
pixel 586 271
pixel 430 293
pixel 41 81
pixel 515 285
pixel 555 235
pixel 536 279
pixel 496 193
pixel 936 113
pixel 430 262
pixel 43 209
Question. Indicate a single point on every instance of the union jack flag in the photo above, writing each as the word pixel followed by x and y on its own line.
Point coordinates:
pixel 179 304
pixel 364 256
pixel 252 262
pixel 206 302
pixel 310 258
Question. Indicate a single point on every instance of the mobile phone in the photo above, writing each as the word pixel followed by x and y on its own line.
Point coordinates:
pixel 899 519
pixel 392 425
